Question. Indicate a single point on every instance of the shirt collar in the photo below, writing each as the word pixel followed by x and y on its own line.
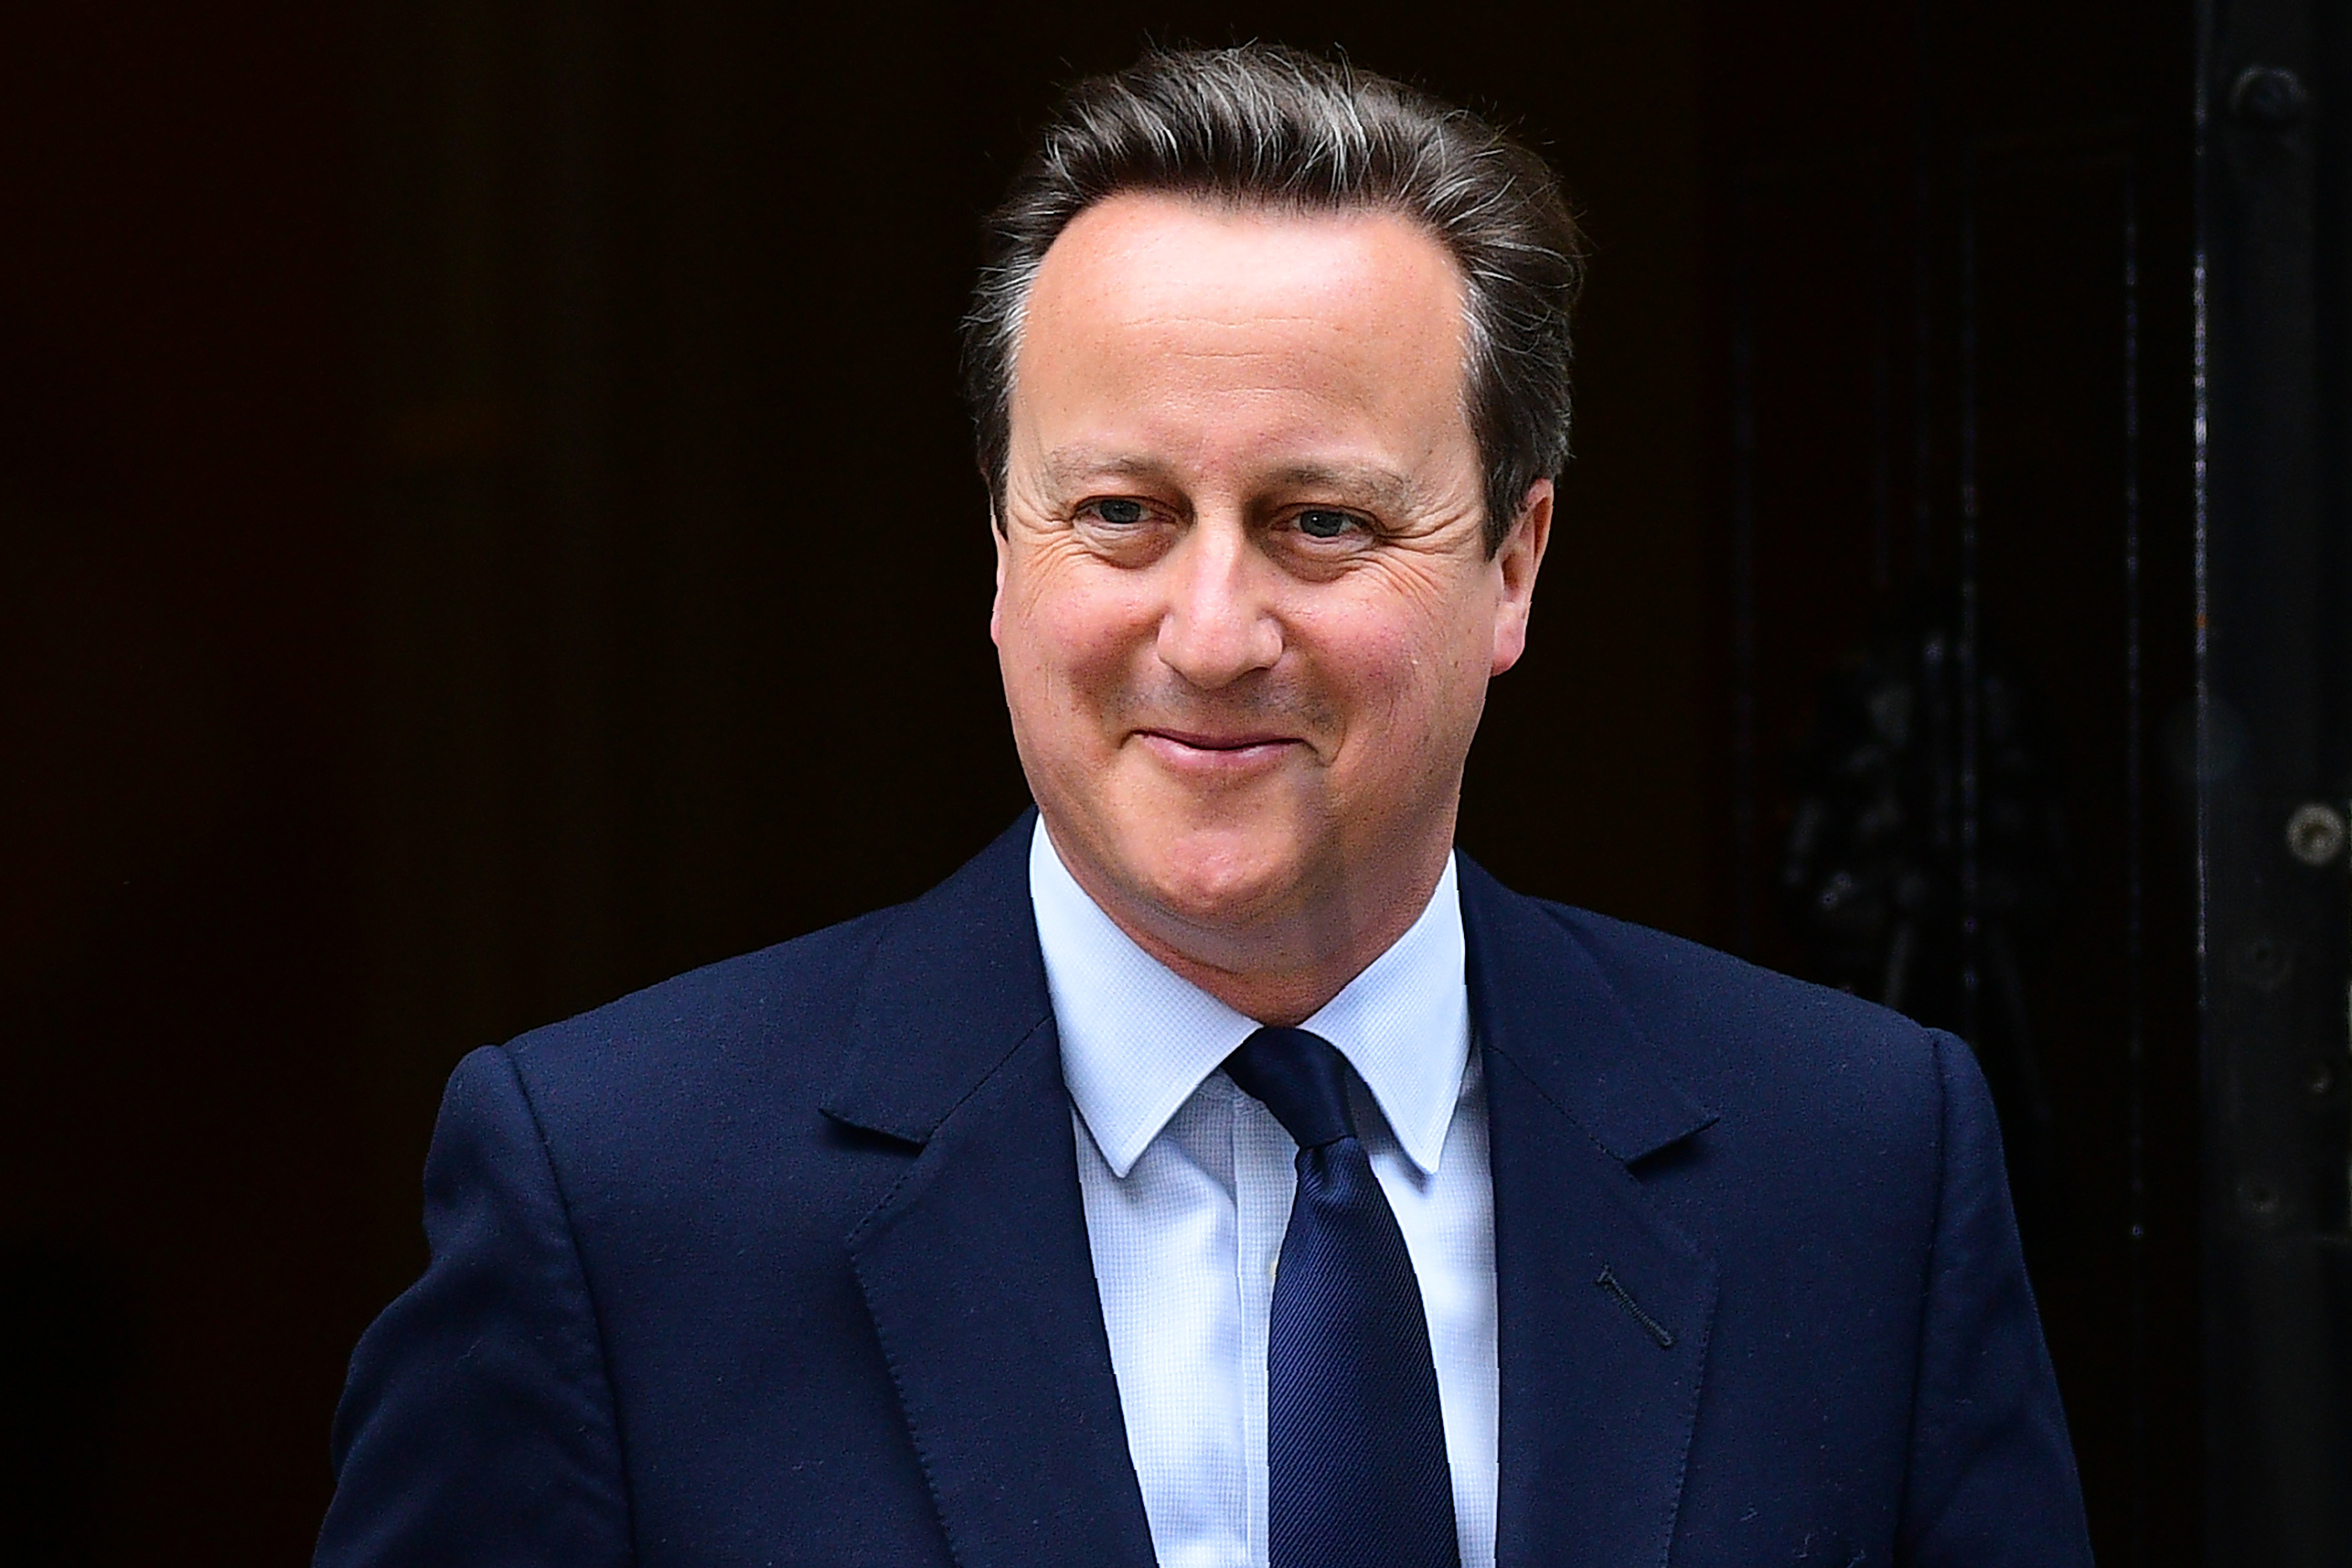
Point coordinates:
pixel 1137 1038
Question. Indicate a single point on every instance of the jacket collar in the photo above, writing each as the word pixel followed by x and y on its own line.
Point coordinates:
pixel 957 981
pixel 1538 995
pixel 955 985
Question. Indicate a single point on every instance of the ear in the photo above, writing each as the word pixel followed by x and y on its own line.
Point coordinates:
pixel 996 605
pixel 1516 563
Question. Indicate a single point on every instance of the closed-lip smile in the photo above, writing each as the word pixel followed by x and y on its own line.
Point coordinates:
pixel 1204 751
pixel 1200 741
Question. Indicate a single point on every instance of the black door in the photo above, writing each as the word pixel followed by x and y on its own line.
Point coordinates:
pixel 2275 767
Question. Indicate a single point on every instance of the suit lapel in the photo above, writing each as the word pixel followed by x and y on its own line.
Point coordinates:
pixel 976 1266
pixel 1604 1307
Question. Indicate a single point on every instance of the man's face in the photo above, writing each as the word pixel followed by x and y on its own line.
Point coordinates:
pixel 1244 610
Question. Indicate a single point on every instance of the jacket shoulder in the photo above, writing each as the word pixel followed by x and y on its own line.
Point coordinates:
pixel 748 991
pixel 1741 1036
pixel 1657 972
pixel 685 1058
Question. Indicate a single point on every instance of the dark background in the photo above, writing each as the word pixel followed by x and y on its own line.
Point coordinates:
pixel 488 523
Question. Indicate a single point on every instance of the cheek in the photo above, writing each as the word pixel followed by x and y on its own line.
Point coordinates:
pixel 1411 669
pixel 1070 628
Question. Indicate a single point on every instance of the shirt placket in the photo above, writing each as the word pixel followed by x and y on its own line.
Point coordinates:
pixel 1264 1180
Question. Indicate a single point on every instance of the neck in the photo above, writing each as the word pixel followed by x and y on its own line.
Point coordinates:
pixel 1279 970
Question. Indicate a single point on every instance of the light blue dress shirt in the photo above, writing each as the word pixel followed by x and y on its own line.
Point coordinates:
pixel 1187 1184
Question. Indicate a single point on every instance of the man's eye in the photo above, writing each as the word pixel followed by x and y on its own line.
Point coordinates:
pixel 1322 523
pixel 1120 513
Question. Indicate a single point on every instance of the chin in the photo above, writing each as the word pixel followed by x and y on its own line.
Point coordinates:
pixel 1221 877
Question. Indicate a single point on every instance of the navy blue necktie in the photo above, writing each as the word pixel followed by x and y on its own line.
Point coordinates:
pixel 1355 1445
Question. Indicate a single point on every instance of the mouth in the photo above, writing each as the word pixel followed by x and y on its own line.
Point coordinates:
pixel 1196 751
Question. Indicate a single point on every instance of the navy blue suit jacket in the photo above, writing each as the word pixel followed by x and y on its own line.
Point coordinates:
pixel 783 1262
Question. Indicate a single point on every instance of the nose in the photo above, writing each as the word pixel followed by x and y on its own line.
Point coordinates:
pixel 1217 625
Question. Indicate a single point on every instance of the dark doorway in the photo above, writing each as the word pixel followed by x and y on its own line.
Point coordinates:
pixel 1953 261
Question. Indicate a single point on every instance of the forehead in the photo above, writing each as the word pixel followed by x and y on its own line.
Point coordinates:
pixel 1138 252
pixel 1203 319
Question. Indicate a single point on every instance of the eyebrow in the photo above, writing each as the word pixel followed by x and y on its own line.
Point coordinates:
pixel 1369 485
pixel 1071 467
pixel 1381 488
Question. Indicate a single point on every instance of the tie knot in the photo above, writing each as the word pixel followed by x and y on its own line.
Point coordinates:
pixel 1301 1078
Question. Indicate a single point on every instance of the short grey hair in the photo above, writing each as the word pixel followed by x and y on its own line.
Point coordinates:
pixel 1265 125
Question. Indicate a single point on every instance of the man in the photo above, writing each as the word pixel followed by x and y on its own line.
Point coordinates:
pixel 1219 1169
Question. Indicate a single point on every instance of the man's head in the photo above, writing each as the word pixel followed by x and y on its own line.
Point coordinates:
pixel 1271 128
pixel 1270 364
